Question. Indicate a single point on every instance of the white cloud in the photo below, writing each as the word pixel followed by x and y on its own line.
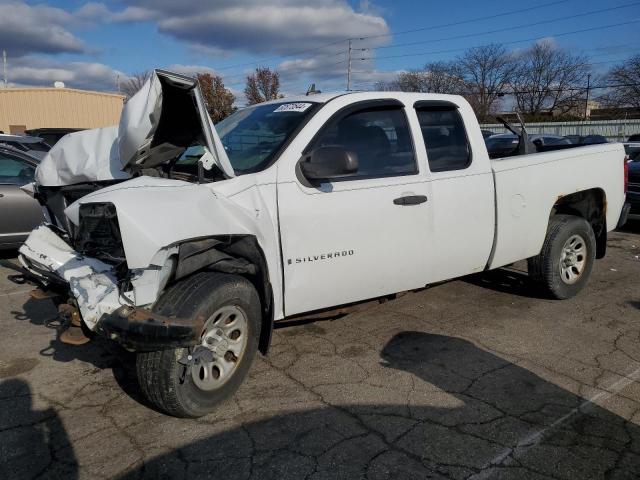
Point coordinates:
pixel 281 27
pixel 36 29
pixel 36 71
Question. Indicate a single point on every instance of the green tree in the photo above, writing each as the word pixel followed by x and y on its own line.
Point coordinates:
pixel 263 85
pixel 218 99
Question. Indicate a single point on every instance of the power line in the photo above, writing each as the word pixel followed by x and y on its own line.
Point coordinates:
pixel 364 83
pixel 463 22
pixel 505 29
pixel 402 32
pixel 532 39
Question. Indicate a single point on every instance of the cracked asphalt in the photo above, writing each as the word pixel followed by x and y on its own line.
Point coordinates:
pixel 474 378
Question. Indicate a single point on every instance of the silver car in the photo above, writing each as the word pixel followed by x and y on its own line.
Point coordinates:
pixel 19 213
pixel 34 146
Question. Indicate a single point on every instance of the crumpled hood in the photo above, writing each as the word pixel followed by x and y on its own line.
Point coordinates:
pixel 157 124
pixel 81 157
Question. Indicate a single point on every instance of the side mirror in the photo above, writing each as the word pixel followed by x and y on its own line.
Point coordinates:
pixel 327 162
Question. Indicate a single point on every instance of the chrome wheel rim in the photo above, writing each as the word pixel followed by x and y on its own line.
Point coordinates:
pixel 225 334
pixel 573 259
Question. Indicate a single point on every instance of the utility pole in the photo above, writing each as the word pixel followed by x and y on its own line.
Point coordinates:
pixel 4 67
pixel 586 103
pixel 349 69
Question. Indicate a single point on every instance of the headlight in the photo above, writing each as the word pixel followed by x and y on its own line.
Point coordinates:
pixel 99 233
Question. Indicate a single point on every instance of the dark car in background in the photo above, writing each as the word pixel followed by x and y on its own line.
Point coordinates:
pixel 592 139
pixel 487 133
pixel 633 187
pixel 505 144
pixel 19 212
pixel 51 136
pixel 34 146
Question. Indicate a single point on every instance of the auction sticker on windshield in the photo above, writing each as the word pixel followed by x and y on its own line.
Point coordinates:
pixel 293 107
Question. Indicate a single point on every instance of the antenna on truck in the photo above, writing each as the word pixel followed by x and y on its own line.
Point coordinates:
pixel 524 145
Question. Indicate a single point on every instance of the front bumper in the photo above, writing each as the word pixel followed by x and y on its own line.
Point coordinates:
pixel 104 308
pixel 93 283
pixel 141 330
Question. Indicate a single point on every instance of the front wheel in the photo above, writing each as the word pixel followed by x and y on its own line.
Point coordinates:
pixel 193 382
pixel 564 264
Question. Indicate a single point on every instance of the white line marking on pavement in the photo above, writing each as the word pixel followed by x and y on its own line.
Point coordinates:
pixel 534 438
pixel 15 293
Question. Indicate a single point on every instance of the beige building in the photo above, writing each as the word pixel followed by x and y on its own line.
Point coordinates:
pixel 28 108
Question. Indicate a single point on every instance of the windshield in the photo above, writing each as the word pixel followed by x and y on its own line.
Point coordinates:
pixel 252 136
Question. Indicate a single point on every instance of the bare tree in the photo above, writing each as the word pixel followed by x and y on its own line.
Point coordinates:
pixel 487 72
pixel 263 85
pixel 549 79
pixel 436 77
pixel 218 99
pixel 134 83
pixel 625 84
pixel 444 77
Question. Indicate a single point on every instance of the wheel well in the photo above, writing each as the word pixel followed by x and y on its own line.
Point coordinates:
pixel 238 254
pixel 592 206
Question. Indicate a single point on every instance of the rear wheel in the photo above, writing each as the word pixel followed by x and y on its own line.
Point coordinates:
pixel 564 264
pixel 193 382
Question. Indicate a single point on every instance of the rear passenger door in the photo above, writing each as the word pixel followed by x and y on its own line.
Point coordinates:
pixel 462 220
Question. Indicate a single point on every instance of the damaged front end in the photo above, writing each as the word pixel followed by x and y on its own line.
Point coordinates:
pixel 128 213
pixel 115 297
pixel 110 299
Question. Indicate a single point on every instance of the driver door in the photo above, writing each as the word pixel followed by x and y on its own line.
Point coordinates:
pixel 357 236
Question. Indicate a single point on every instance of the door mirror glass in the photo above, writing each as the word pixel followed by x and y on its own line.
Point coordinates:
pixel 328 162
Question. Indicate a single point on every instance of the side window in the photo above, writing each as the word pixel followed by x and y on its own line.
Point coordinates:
pixel 380 137
pixel 445 138
pixel 14 171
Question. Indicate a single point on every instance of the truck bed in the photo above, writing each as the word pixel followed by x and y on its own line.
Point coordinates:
pixel 528 187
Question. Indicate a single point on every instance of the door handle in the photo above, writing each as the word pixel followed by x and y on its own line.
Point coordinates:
pixel 410 200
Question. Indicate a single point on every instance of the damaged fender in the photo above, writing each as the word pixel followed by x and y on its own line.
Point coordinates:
pixel 156 217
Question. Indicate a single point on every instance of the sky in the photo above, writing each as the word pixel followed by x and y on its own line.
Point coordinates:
pixel 94 45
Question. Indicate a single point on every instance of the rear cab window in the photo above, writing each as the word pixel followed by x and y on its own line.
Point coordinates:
pixel 444 136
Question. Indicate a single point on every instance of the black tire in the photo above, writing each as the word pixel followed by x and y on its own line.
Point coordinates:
pixel 163 380
pixel 545 268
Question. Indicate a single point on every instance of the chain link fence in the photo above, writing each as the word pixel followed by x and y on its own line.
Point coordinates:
pixel 613 130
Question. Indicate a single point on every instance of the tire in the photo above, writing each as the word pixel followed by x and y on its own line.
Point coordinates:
pixel 563 266
pixel 194 391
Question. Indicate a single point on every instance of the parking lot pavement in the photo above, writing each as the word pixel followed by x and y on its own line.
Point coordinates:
pixel 475 378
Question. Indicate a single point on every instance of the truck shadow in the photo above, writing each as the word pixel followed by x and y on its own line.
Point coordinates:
pixel 33 443
pixel 632 226
pixel 471 414
pixel 507 280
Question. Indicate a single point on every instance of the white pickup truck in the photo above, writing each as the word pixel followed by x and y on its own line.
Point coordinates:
pixel 293 206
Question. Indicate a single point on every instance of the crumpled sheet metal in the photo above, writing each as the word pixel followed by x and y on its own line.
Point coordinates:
pixel 92 281
pixel 80 157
